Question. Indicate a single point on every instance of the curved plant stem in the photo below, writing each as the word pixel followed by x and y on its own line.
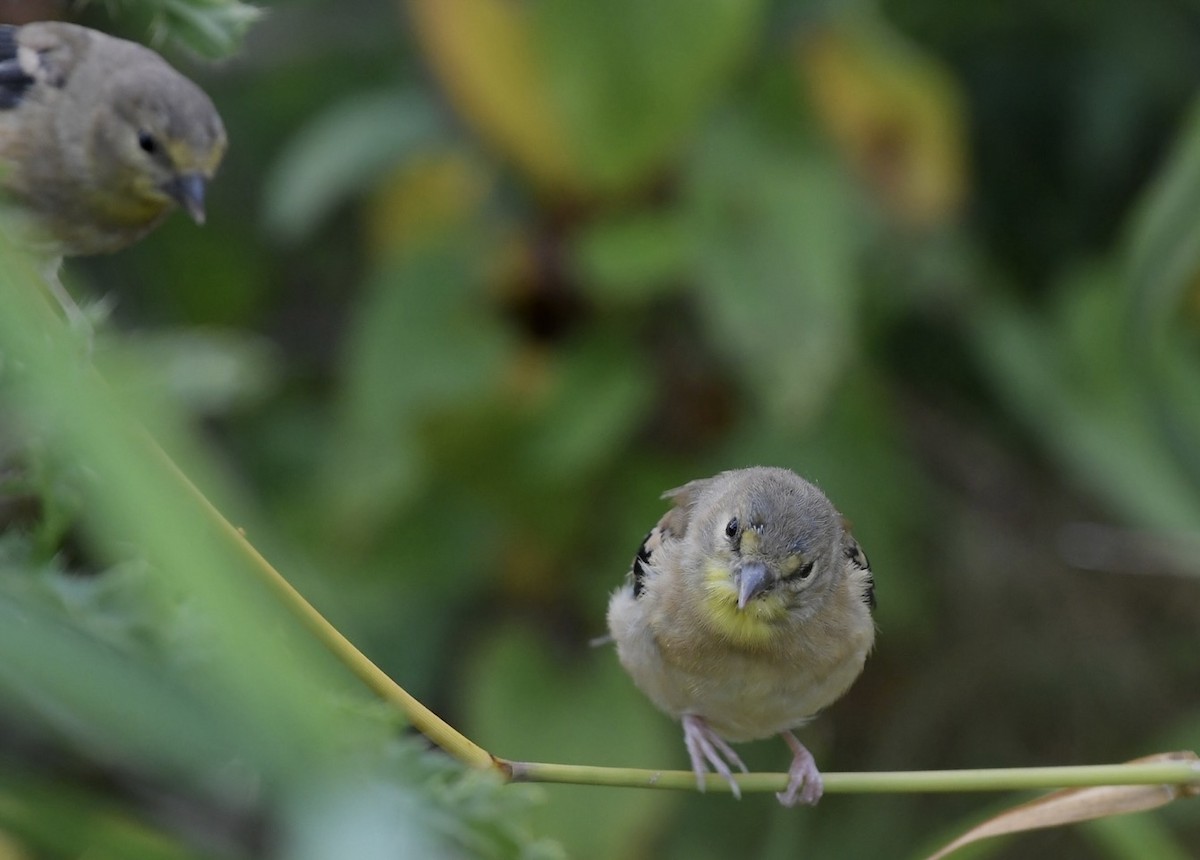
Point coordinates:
pixel 422 719
pixel 34 341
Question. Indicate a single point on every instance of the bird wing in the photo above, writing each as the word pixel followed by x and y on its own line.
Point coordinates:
pixel 672 526
pixel 858 559
pixel 683 502
pixel 44 53
pixel 14 79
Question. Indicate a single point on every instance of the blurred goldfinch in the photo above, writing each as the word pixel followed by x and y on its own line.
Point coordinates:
pixel 747 611
pixel 99 140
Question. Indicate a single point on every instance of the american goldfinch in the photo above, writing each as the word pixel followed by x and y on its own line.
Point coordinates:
pixel 99 140
pixel 747 610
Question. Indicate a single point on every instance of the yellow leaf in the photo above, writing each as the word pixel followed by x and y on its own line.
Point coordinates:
pixel 895 114
pixel 483 52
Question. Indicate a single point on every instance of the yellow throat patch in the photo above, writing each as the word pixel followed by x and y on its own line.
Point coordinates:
pixel 754 625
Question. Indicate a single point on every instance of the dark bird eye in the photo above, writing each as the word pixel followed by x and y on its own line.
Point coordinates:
pixel 731 528
pixel 147 142
pixel 805 570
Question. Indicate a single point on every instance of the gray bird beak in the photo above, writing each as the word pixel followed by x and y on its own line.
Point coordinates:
pixel 187 190
pixel 752 580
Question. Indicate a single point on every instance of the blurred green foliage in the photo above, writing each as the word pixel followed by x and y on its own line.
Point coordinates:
pixel 480 280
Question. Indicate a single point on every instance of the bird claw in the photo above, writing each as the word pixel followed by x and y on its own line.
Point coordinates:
pixel 706 748
pixel 805 785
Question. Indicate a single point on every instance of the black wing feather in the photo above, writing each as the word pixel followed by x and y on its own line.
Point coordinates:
pixel 14 80
pixel 859 559
pixel 638 569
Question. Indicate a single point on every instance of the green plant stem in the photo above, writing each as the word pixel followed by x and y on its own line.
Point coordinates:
pixel 34 336
pixel 1185 772
pixel 423 720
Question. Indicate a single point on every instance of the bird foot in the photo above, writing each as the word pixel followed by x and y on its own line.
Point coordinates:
pixel 804 780
pixel 81 320
pixel 706 748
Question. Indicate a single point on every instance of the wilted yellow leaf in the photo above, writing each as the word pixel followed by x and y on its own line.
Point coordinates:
pixel 483 52
pixel 1074 805
pixel 896 115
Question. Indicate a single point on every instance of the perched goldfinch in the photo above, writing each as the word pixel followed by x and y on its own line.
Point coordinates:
pixel 747 611
pixel 99 140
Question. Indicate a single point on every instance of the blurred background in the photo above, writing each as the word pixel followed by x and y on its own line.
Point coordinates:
pixel 482 278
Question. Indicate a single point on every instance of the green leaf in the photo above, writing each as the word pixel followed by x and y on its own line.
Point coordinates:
pixel 631 257
pixel 340 153
pixel 110 701
pixel 61 822
pixel 1069 380
pixel 1163 247
pixel 423 343
pixel 1163 266
pixel 630 78
pixel 212 28
pixel 598 399
pixel 775 265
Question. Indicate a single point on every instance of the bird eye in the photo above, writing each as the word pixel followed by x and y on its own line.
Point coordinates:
pixel 147 142
pixel 731 528
pixel 805 570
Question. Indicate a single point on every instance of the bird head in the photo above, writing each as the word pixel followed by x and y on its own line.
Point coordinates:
pixel 158 147
pixel 771 550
